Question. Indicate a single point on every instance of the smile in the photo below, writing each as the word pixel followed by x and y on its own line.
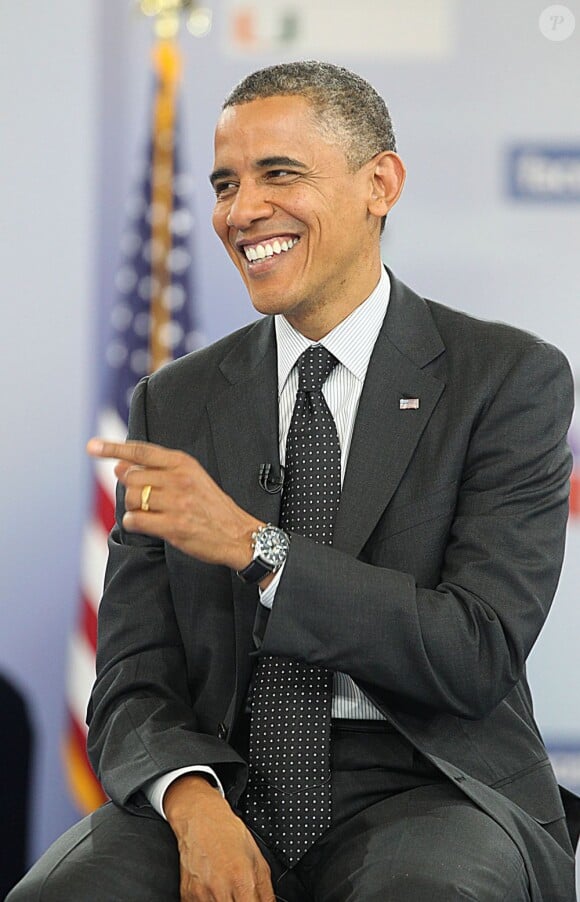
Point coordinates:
pixel 256 252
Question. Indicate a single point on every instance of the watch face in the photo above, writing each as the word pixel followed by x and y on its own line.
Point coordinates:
pixel 272 545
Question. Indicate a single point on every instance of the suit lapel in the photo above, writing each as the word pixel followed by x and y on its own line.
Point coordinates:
pixel 244 425
pixel 244 421
pixel 244 417
pixel 385 436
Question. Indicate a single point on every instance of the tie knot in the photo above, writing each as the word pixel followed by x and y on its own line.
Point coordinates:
pixel 314 367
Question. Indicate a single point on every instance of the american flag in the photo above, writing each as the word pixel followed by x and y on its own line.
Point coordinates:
pixel 151 322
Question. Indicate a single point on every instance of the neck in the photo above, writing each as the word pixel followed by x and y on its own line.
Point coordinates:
pixel 315 323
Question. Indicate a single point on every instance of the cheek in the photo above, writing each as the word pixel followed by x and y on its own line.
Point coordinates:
pixel 218 221
pixel 223 232
pixel 221 229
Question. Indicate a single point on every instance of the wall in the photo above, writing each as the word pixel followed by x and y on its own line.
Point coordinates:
pixel 48 201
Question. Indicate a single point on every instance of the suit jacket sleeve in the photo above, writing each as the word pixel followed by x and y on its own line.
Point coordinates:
pixel 142 716
pixel 457 646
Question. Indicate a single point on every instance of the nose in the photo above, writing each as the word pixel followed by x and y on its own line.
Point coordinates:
pixel 248 205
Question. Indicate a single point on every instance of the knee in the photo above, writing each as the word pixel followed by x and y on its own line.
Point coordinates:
pixel 37 887
pixel 27 890
pixel 462 880
pixel 45 884
pixel 51 878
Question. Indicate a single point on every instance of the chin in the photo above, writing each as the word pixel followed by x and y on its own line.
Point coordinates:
pixel 268 308
pixel 269 305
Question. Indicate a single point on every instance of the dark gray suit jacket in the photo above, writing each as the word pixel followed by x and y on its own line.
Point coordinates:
pixel 446 556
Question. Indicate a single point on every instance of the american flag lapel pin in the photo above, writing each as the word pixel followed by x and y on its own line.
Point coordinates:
pixel 409 404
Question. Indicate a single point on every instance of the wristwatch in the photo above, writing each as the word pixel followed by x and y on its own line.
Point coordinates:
pixel 270 545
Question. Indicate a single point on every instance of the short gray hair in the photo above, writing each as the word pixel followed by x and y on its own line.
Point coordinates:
pixel 348 111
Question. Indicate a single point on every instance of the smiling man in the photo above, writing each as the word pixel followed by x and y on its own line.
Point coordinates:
pixel 339 534
pixel 298 214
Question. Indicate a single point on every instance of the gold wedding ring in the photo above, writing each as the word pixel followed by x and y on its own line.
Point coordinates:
pixel 145 496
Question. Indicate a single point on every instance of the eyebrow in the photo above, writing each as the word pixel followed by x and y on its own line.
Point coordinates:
pixel 268 162
pixel 222 173
pixel 264 163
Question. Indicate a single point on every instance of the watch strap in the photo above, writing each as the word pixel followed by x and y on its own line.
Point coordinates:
pixel 254 572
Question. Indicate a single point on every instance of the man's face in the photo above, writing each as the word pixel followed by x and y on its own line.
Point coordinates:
pixel 291 215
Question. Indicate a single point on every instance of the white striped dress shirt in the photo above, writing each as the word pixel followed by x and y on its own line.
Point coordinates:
pixel 352 343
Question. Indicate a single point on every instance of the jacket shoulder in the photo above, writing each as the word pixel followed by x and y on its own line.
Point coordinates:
pixel 200 366
pixel 475 338
pixel 457 324
pixel 173 399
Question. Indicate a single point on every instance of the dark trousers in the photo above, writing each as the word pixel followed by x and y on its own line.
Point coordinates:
pixel 400 832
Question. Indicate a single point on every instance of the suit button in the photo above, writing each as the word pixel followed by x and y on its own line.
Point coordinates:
pixel 222 730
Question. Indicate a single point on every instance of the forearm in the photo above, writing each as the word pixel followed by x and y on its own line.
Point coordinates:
pixel 218 855
pixel 143 720
pixel 442 648
pixel 156 790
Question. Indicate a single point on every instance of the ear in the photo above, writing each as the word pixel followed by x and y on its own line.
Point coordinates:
pixel 387 179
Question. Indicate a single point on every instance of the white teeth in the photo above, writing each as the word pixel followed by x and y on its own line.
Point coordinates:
pixel 263 251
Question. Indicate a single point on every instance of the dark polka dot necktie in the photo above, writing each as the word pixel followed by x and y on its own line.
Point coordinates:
pixel 288 800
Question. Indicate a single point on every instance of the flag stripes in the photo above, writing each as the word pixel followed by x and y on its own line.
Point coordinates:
pixel 151 323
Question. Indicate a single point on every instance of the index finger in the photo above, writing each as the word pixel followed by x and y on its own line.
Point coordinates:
pixel 144 454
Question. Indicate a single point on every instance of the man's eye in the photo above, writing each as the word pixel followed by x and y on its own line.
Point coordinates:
pixel 281 173
pixel 222 188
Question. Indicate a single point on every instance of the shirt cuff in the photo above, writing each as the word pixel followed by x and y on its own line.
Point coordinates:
pixel 268 594
pixel 155 789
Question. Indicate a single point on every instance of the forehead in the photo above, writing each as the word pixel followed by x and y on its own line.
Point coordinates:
pixel 270 126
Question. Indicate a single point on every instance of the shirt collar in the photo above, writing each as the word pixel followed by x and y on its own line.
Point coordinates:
pixel 351 342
